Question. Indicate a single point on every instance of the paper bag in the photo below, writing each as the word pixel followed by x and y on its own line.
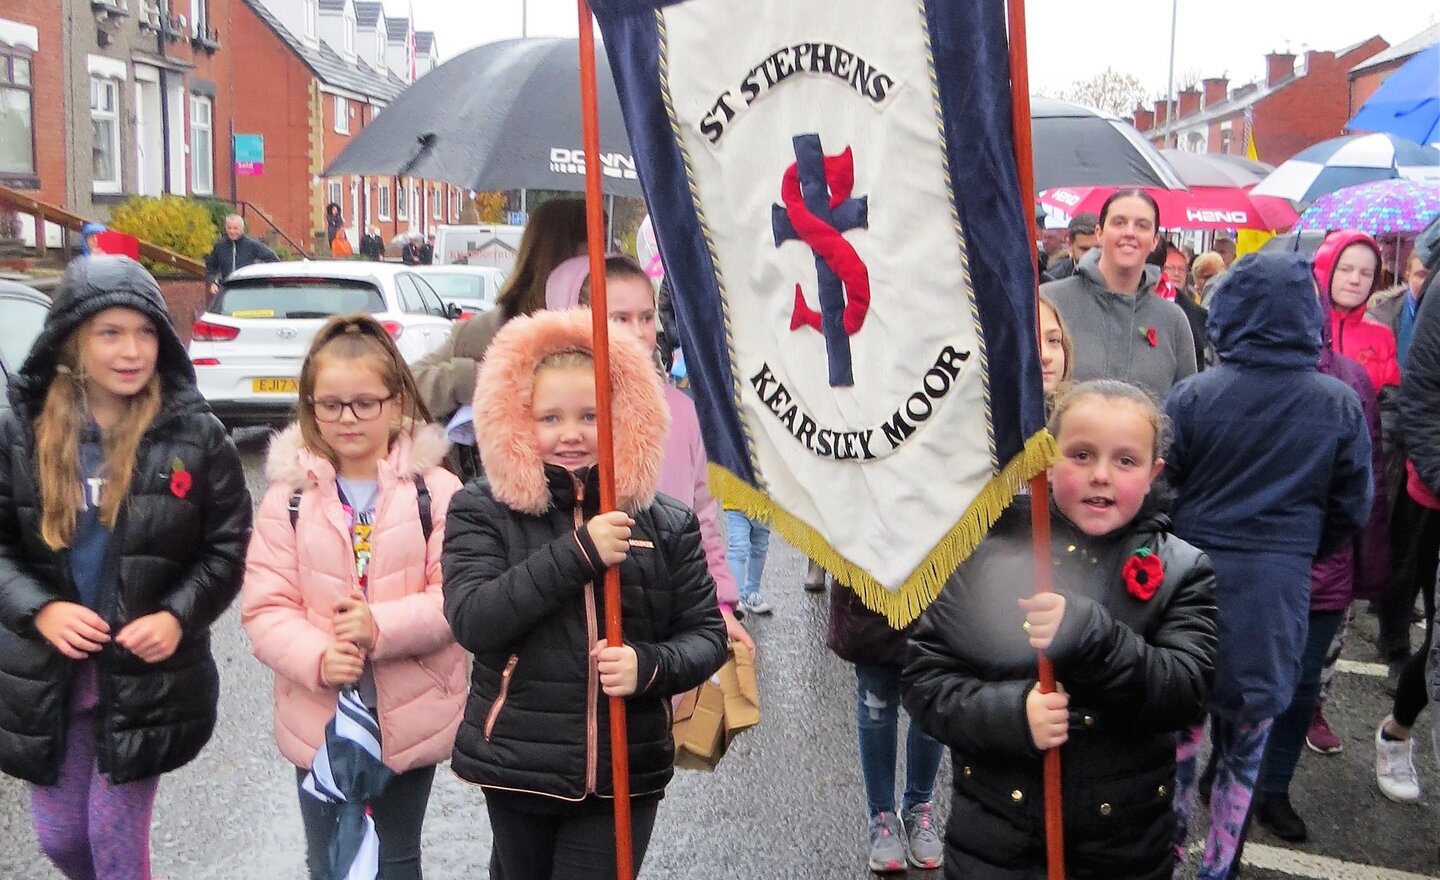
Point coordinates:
pixel 708 718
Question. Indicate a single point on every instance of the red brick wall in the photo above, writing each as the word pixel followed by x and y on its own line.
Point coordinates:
pixel 1364 85
pixel 271 89
pixel 47 70
pixel 1312 109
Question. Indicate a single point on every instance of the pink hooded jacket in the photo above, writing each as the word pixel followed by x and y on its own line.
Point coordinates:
pixel 685 466
pixel 1357 335
pixel 294 575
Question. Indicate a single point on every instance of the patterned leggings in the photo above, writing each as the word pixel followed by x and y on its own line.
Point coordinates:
pixel 1337 645
pixel 1238 746
pixel 91 829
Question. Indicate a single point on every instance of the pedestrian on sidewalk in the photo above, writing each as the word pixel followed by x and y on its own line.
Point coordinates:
pixel 1360 566
pixel 1131 633
pixel 235 250
pixel 1271 461
pixel 342 582
pixel 525 556
pixel 123 521
pixel 684 467
pixel 866 640
pixel 1420 425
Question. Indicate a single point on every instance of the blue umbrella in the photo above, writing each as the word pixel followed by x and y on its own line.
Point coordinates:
pixel 347 772
pixel 1346 161
pixel 1408 103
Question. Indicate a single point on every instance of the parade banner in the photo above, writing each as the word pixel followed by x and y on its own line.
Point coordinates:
pixel 833 187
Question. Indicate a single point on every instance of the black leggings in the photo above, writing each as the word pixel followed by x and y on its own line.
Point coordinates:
pixel 1414 551
pixel 1420 569
pixel 531 846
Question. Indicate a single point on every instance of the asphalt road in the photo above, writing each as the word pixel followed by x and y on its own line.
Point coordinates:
pixel 787 801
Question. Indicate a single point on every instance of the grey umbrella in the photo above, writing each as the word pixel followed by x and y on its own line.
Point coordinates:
pixel 504 115
pixel 1216 169
pixel 1077 146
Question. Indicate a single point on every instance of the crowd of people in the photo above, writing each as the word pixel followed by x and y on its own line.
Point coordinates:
pixel 1245 446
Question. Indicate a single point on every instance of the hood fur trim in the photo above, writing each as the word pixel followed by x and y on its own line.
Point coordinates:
pixel 505 432
pixel 413 452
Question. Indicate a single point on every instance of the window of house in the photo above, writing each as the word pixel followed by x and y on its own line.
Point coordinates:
pixel 312 19
pixel 342 115
pixel 336 194
pixel 402 204
pixel 17 114
pixel 202 145
pixel 105 125
pixel 384 200
pixel 415 202
pixel 348 37
pixel 455 209
pixel 437 204
pixel 199 17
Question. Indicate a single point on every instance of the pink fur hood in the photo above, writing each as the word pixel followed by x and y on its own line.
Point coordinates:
pixel 505 432
pixel 413 452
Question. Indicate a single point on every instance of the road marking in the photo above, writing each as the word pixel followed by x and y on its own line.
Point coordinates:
pixel 1299 864
pixel 1356 667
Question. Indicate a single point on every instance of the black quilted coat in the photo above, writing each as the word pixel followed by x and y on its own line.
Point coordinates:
pixel 1136 671
pixel 522 594
pixel 182 555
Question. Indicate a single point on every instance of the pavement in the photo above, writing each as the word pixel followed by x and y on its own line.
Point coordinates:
pixel 786 802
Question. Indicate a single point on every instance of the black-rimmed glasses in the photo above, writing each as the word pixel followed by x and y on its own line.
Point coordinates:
pixel 364 409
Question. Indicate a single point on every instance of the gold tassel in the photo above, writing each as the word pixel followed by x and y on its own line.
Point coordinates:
pixel 900 606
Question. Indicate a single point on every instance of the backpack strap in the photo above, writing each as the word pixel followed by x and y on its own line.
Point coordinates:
pixel 422 500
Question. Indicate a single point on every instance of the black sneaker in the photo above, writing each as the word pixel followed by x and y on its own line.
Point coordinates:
pixel 1275 813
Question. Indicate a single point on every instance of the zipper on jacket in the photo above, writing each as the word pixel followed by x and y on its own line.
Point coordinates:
pixel 504 692
pixel 592 700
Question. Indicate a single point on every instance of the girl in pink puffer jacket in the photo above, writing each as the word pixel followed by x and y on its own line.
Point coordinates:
pixel 342 580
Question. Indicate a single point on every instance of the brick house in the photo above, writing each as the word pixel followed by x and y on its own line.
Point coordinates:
pixel 1367 76
pixel 1294 107
pixel 124 97
pixel 330 67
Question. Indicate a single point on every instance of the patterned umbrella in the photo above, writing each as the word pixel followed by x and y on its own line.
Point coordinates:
pixel 1346 161
pixel 347 772
pixel 1377 208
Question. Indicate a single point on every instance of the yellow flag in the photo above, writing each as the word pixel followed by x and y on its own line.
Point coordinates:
pixel 1247 241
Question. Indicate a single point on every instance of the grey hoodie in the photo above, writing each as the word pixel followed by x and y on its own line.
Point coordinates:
pixel 1109 329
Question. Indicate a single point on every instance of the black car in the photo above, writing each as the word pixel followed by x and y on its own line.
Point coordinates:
pixel 22 314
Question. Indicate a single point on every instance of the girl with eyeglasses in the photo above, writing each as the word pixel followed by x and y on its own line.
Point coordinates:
pixel 342 581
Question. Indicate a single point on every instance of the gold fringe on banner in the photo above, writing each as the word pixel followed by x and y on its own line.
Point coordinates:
pixel 903 605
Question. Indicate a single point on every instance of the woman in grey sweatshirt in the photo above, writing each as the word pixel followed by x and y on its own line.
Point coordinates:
pixel 1122 330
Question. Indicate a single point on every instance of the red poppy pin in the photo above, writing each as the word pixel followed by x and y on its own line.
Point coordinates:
pixel 1150 336
pixel 180 479
pixel 1143 574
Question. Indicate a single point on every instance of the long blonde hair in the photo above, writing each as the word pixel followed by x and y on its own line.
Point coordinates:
pixel 351 337
pixel 57 443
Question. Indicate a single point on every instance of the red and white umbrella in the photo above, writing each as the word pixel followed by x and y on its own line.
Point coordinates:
pixel 1201 207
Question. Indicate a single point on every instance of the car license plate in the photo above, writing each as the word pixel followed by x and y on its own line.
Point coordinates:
pixel 275 386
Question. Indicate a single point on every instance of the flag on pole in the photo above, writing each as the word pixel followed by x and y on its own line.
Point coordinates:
pixel 1248 241
pixel 834 189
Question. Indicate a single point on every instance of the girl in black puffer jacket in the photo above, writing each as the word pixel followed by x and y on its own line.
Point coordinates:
pixel 525 552
pixel 123 523
pixel 1131 631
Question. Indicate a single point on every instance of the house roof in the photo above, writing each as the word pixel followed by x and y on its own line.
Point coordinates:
pixel 368 14
pixel 332 5
pixel 1404 49
pixel 329 67
pixel 396 29
pixel 424 42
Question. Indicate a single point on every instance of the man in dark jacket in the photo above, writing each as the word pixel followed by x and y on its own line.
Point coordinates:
pixel 372 246
pixel 410 253
pixel 1080 238
pixel 235 250
pixel 177 547
pixel 427 251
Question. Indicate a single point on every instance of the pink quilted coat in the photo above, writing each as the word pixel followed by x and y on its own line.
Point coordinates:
pixel 294 575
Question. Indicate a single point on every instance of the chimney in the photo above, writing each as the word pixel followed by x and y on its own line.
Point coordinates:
pixel 1278 66
pixel 1242 91
pixel 1189 102
pixel 1144 120
pixel 1216 90
pixel 1162 108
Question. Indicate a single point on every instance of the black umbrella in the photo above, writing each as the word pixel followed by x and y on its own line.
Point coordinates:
pixel 1077 146
pixel 501 116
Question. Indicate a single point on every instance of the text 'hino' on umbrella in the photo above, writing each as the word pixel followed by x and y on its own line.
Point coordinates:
pixel 505 115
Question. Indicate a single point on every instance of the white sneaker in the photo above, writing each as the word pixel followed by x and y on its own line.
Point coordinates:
pixel 1395 768
pixel 755 604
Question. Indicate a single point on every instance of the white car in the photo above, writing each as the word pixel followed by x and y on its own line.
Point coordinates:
pixel 248 346
pixel 472 288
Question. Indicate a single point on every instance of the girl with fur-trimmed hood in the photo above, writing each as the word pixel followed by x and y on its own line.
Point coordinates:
pixel 342 581
pixel 525 553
